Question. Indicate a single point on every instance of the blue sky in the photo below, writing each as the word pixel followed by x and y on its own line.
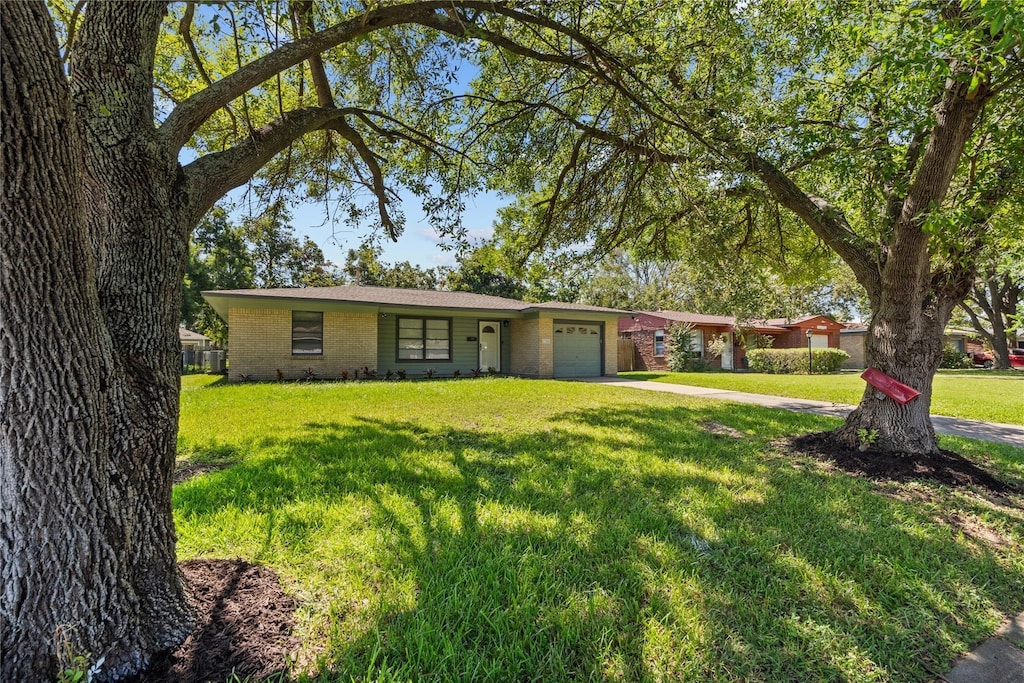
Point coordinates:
pixel 419 244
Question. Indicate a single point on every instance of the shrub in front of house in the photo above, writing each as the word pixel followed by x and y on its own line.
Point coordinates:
pixel 794 361
pixel 828 360
pixel 954 359
pixel 679 342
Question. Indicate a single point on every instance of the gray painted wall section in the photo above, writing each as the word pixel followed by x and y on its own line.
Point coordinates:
pixel 465 354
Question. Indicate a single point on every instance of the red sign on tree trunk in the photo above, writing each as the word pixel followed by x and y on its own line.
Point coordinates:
pixel 897 391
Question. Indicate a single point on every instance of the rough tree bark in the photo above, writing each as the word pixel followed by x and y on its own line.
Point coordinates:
pixel 88 354
pixel 97 212
pixel 914 302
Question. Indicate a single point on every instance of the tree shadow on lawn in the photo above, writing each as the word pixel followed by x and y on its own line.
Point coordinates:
pixel 619 543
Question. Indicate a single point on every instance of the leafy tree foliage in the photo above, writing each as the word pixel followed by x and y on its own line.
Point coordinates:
pixel 995 304
pixel 260 252
pixel 886 135
pixel 680 340
pixel 218 259
pixel 282 260
pixel 485 270
pixel 363 266
pixel 750 290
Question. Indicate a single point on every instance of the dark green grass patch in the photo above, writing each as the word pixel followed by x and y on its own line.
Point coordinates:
pixel 501 529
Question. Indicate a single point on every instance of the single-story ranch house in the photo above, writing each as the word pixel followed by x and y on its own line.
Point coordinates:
pixel 193 341
pixel 332 330
pixel 647 331
pixel 854 340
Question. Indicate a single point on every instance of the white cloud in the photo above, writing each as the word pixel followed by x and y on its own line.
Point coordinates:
pixel 445 259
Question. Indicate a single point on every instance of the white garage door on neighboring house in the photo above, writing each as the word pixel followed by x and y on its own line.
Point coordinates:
pixel 577 349
pixel 819 341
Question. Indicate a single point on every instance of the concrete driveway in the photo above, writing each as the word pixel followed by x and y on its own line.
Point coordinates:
pixel 1011 435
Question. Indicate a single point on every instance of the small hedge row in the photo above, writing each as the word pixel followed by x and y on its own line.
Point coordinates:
pixel 794 361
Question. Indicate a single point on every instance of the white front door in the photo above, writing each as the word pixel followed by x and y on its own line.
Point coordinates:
pixel 490 345
pixel 727 352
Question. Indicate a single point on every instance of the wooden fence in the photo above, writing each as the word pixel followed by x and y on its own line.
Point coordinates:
pixel 627 354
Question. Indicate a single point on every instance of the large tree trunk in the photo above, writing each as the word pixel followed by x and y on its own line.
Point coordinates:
pixel 905 344
pixel 91 257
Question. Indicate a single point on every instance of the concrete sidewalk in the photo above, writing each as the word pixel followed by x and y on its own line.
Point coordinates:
pixel 1012 435
pixel 999 659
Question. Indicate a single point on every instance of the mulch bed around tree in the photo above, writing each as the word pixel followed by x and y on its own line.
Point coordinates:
pixel 946 467
pixel 244 625
pixel 185 471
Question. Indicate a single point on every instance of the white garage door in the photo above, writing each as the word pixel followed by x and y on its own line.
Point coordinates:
pixel 819 341
pixel 577 349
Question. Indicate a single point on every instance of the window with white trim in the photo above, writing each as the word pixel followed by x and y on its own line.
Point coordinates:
pixel 659 342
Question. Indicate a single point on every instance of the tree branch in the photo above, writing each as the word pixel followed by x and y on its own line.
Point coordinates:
pixel 825 220
pixel 302 10
pixel 349 133
pixel 976 322
pixel 209 177
pixel 185 31
pixel 954 120
pixel 190 114
pixel 72 27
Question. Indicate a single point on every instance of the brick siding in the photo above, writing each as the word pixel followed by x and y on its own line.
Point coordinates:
pixel 644 357
pixel 261 344
pixel 525 348
pixel 532 347
pixel 855 344
pixel 611 350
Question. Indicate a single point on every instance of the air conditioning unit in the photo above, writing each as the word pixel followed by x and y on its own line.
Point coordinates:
pixel 216 360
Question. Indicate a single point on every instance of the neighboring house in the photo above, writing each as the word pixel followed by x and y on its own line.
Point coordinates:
pixel 332 330
pixel 853 340
pixel 193 341
pixel 965 341
pixel 647 330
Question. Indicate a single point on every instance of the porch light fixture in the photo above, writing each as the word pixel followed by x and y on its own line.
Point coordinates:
pixel 810 356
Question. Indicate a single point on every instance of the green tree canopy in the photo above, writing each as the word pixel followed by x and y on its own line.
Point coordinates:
pixel 887 135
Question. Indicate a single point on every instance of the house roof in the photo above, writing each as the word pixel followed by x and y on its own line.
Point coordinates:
pixel 189 335
pixel 771 326
pixel 391 296
pixel 564 306
pixel 728 321
pixel 797 322
pixel 693 318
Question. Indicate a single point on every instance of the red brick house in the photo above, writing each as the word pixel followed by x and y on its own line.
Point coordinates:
pixel 647 331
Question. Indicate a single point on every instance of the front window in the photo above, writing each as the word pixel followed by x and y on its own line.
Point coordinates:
pixel 697 343
pixel 659 342
pixel 307 333
pixel 424 339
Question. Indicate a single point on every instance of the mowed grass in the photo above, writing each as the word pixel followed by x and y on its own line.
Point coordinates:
pixel 504 530
pixel 972 394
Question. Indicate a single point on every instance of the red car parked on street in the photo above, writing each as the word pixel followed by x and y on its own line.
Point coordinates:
pixel 986 360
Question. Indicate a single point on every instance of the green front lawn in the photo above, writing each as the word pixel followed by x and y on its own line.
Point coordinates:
pixel 502 529
pixel 973 394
